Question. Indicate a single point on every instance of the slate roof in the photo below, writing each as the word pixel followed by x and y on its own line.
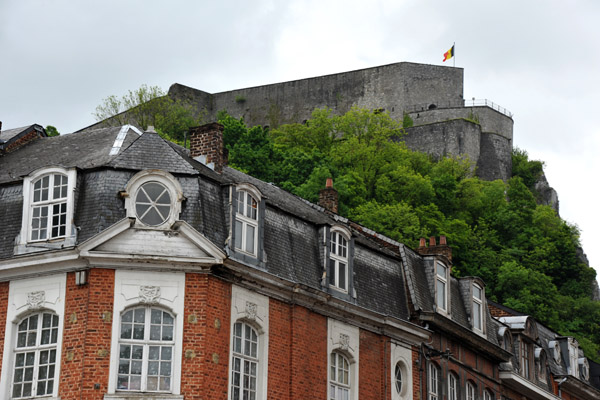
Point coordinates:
pixel 8 134
pixel 85 150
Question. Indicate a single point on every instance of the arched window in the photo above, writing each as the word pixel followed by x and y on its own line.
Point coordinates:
pixel 488 395
pixel 246 222
pixel 452 386
pixel 244 362
pixel 146 345
pixel 35 356
pixel 433 383
pixel 338 261
pixel 339 378
pixel 470 391
pixel 153 203
pixel 49 207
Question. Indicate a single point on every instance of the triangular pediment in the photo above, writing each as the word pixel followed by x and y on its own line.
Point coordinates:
pixel 127 242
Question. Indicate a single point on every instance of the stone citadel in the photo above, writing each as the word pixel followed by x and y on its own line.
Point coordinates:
pixel 444 122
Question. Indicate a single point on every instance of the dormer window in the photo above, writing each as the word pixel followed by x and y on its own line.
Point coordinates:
pixel 477 308
pixel 246 222
pixel 441 287
pixel 555 350
pixel 154 199
pixel 584 368
pixel 525 358
pixel 338 261
pixel 573 357
pixel 48 197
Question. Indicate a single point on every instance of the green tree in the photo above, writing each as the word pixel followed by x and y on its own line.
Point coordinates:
pixel 52 131
pixel 149 106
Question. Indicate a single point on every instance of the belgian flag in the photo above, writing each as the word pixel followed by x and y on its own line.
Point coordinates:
pixel 449 54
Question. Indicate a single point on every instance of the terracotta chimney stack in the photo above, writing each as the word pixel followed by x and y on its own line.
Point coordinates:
pixel 434 249
pixel 328 197
pixel 206 146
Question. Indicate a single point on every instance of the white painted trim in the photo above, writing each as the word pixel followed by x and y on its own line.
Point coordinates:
pixel 345 339
pixel 54 288
pixel 525 387
pixel 127 294
pixel 162 177
pixel 403 355
pixel 257 317
pixel 116 147
pixel 23 243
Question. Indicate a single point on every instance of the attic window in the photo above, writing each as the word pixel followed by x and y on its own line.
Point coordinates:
pixel 153 203
pixel 154 199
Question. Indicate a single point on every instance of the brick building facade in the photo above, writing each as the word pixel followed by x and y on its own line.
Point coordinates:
pixel 130 270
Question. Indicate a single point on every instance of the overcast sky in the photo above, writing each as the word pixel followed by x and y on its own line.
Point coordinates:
pixel 540 59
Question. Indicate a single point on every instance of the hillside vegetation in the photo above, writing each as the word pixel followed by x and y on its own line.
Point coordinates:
pixel 525 252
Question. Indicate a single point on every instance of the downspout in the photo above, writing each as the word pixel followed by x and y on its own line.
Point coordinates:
pixel 560 383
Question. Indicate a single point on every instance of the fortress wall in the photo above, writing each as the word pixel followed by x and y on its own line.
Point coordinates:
pixel 491 120
pixel 446 139
pixel 393 87
pixel 495 161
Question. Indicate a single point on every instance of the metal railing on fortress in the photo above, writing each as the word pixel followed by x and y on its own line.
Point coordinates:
pixel 487 103
pixel 460 104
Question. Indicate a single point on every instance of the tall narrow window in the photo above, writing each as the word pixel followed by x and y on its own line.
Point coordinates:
pixel 487 395
pixel 244 362
pixel 525 359
pixel 433 389
pixel 338 261
pixel 398 377
pixel 246 222
pixel 339 379
pixel 49 207
pixel 35 356
pixel 470 391
pixel 146 345
pixel 441 285
pixel 452 387
pixel 477 308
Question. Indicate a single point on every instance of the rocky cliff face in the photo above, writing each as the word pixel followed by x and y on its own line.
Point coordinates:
pixel 546 194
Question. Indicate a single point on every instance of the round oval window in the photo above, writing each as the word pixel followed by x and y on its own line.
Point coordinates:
pixel 398 376
pixel 153 203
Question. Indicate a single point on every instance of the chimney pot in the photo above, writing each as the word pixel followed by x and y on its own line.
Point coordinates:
pixel 329 183
pixel 422 242
pixel 442 240
pixel 432 241
pixel 328 197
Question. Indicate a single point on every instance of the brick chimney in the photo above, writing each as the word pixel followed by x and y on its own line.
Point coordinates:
pixel 328 197
pixel 434 249
pixel 206 146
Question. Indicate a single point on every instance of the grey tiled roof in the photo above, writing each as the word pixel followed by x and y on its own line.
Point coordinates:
pixel 150 151
pixel 83 150
pixel 8 134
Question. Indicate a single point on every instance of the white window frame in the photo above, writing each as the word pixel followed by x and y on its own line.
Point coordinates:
pixel 453 384
pixel 444 282
pixel 343 339
pixel 573 358
pixel 57 241
pixel 488 395
pixel 243 195
pixel 244 358
pixel 477 308
pixel 27 297
pixel 471 393
pixel 251 309
pixel 337 257
pixel 433 382
pixel 340 380
pixel 165 179
pixel 163 290
pixel 525 358
pixel 400 356
pixel 146 343
pixel 37 349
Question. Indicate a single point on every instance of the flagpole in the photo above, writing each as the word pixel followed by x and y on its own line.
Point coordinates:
pixel 454 58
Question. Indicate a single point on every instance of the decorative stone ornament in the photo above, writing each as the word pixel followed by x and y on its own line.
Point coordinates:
pixel 344 341
pixel 251 309
pixel 149 294
pixel 35 300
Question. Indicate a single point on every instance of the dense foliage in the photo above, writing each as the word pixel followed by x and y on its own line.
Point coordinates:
pixel 527 255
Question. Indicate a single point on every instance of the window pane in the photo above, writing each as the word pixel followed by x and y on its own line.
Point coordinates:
pixel 342 276
pixel 238 235
pixel 250 238
pixel 441 294
pixel 332 271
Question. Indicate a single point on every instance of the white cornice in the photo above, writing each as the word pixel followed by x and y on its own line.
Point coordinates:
pixel 522 385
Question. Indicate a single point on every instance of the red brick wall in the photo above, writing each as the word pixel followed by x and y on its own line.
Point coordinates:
pixel 96 333
pixel 280 334
pixel 4 286
pixel 373 366
pixel 73 345
pixel 206 334
pixel 308 354
pixel 418 375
